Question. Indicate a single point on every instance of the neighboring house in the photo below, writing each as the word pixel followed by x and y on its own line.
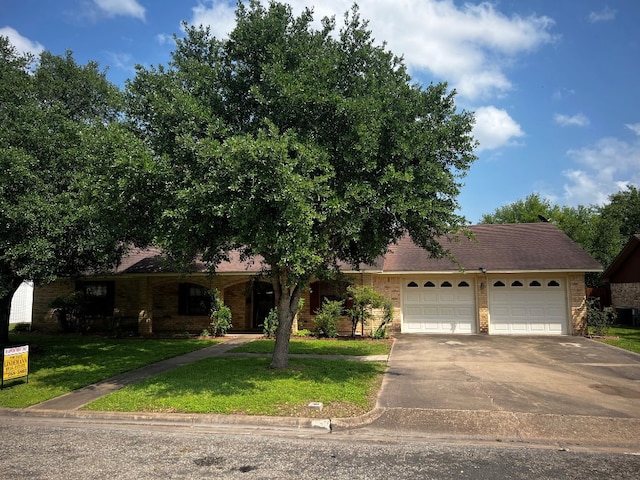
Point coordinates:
pixel 623 276
pixel 509 279
pixel 22 304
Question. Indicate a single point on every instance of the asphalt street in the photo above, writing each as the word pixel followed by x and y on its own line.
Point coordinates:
pixel 37 448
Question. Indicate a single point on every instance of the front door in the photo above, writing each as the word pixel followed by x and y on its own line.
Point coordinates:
pixel 263 302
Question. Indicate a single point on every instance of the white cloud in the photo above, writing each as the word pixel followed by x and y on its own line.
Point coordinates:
pixel 606 167
pixel 562 93
pixel 220 17
pixel 164 39
pixel 125 8
pixel 634 127
pixel 470 46
pixel 578 120
pixel 123 61
pixel 604 15
pixel 23 44
pixel 494 128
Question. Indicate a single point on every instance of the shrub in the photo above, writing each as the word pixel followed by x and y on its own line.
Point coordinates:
pixel 220 316
pixel 205 333
pixel 599 319
pixel 365 299
pixel 71 312
pixel 326 321
pixel 22 327
pixel 270 324
pixel 303 333
pixel 381 331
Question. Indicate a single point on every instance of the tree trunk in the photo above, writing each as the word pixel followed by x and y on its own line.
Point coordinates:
pixel 286 297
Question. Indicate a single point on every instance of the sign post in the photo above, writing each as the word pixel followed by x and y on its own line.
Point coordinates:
pixel 15 363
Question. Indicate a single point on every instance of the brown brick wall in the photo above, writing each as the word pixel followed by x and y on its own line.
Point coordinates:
pixel 43 319
pixel 235 297
pixel 625 295
pixel 578 302
pixel 390 287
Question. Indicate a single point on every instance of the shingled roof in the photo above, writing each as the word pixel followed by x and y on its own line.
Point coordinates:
pixel 523 247
pixel 530 247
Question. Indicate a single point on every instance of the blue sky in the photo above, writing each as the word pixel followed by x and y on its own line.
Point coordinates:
pixel 553 83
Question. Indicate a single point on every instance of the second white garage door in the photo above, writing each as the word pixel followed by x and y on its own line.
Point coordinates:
pixel 527 306
pixel 438 306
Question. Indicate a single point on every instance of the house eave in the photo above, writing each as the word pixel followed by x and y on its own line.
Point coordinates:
pixel 490 272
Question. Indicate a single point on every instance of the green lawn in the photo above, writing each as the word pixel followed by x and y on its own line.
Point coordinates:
pixel 321 347
pixel 628 338
pixel 61 363
pixel 248 386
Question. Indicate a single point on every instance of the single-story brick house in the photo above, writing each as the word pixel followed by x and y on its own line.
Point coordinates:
pixel 509 279
pixel 623 276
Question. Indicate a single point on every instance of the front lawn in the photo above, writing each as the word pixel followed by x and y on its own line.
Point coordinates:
pixel 322 347
pixel 628 338
pixel 59 364
pixel 248 386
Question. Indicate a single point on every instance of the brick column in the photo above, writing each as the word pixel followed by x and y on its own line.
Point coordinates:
pixel 145 316
pixel 482 299
pixel 578 299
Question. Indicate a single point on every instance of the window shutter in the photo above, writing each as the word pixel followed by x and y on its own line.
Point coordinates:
pixel 183 298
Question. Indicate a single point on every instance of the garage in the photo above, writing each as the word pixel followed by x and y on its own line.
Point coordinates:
pixel 527 306
pixel 433 305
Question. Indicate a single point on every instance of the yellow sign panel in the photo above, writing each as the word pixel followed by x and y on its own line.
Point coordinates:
pixel 15 362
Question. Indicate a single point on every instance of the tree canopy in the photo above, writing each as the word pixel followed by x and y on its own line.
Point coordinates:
pixel 303 146
pixel 71 175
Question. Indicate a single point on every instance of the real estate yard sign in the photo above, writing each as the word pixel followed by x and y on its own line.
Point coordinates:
pixel 15 363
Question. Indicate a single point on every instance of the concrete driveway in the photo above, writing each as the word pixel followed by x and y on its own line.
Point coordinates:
pixel 542 375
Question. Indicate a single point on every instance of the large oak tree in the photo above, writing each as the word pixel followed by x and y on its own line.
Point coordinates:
pixel 72 176
pixel 301 146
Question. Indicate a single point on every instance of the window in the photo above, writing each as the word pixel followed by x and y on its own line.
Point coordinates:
pixel 498 284
pixel 100 297
pixel 429 284
pixel 193 300
pixel 463 284
pixel 446 284
pixel 535 283
pixel 517 283
pixel 323 290
pixel 412 284
pixel 553 283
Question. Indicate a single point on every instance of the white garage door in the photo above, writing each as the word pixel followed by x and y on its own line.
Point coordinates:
pixel 527 306
pixel 438 306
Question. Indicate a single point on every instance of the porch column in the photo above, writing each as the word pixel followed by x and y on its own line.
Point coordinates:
pixel 482 297
pixel 145 315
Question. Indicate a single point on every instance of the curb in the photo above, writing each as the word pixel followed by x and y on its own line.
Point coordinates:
pixel 318 424
pixel 356 422
pixel 516 427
